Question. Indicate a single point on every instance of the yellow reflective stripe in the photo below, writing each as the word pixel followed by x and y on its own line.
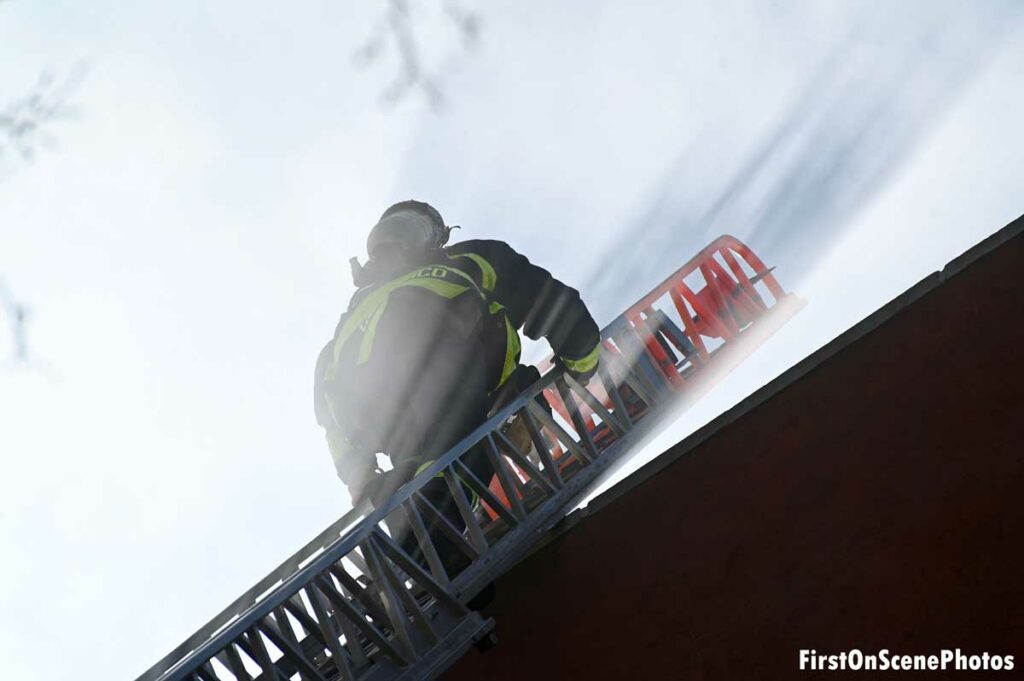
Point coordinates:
pixel 338 446
pixel 467 278
pixel 367 315
pixel 490 277
pixel 512 349
pixel 445 289
pixel 425 466
pixel 585 364
pixel 513 346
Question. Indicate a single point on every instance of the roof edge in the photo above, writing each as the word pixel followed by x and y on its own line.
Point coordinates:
pixel 798 371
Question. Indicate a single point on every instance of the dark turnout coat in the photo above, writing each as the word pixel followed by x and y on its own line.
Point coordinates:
pixel 422 346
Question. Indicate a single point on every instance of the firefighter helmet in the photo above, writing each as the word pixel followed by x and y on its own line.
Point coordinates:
pixel 407 228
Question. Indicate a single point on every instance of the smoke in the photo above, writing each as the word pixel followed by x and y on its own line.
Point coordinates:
pixel 858 119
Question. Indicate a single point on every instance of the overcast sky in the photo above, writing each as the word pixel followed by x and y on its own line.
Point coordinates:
pixel 183 242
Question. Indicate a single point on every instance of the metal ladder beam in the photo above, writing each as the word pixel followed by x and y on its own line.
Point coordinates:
pixel 363 604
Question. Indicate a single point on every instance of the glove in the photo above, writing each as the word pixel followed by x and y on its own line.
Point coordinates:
pixel 583 369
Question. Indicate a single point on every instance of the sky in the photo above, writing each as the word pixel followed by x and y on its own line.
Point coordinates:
pixel 182 242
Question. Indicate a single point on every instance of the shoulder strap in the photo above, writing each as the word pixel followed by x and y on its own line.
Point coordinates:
pixel 442 280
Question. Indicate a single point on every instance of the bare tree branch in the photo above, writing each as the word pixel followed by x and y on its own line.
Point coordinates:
pixel 24 128
pixel 17 314
pixel 25 122
pixel 467 22
pixel 397 30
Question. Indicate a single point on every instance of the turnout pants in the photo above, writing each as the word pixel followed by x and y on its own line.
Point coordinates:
pixel 465 408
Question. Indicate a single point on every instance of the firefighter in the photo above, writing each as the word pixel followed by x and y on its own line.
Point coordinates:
pixel 430 345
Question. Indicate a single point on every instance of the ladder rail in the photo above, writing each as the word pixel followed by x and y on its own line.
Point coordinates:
pixel 388 633
pixel 255 615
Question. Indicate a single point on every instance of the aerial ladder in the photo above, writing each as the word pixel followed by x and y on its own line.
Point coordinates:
pixel 354 605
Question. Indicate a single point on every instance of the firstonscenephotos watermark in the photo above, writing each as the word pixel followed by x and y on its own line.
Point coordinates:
pixel 886 660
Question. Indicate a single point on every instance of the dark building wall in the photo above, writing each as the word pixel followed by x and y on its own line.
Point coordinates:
pixel 871 498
